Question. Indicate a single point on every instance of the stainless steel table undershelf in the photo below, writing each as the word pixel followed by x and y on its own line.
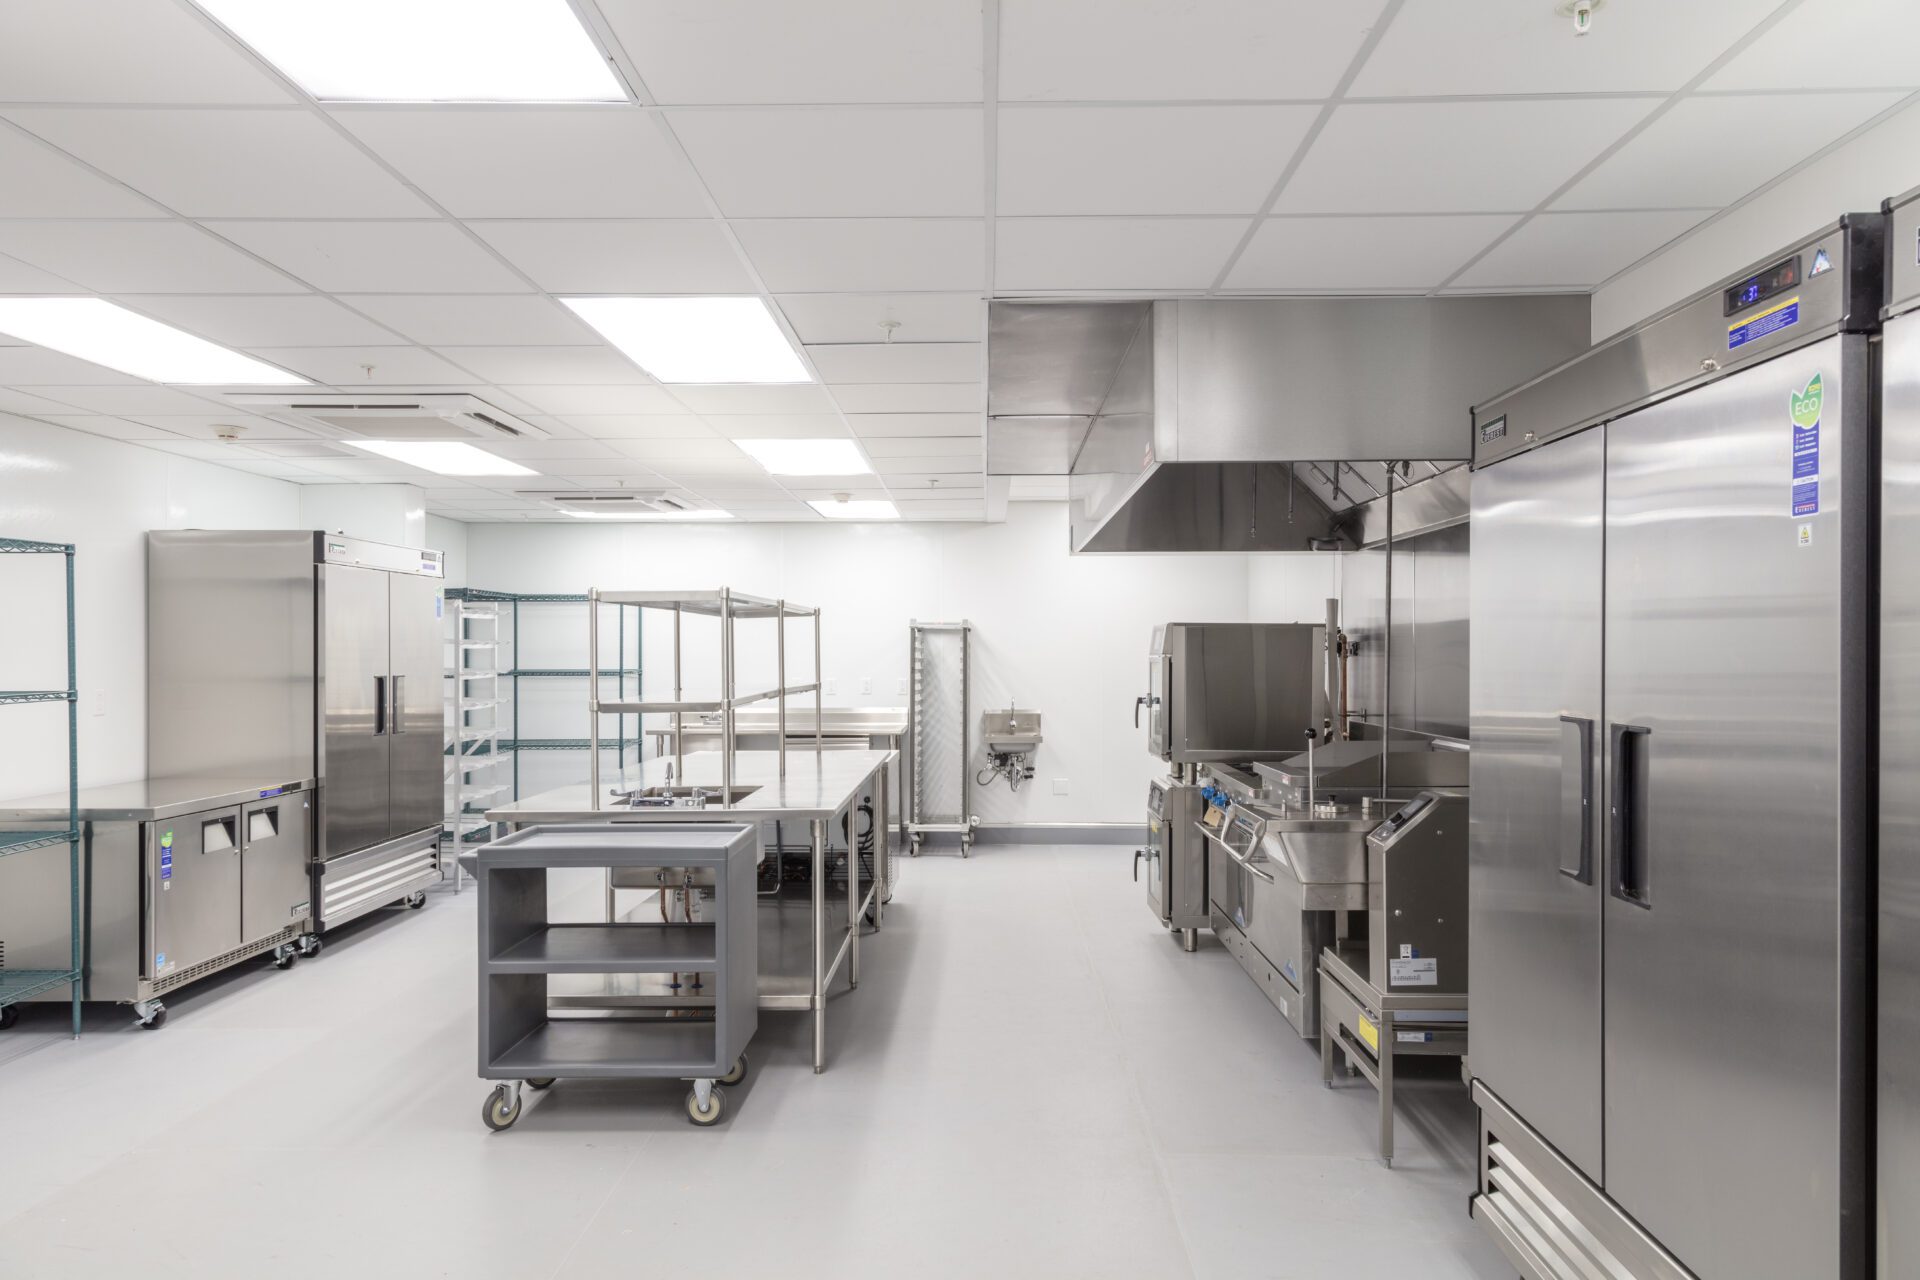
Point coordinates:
pixel 817 787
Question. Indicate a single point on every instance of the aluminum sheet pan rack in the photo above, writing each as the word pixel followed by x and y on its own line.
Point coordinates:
pixel 730 608
pixel 939 780
pixel 17 985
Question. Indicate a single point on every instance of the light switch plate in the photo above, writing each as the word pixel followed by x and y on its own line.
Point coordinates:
pixel 1059 786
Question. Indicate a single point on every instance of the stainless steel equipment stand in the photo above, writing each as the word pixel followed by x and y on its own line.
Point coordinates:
pixel 1372 1028
pixel 936 726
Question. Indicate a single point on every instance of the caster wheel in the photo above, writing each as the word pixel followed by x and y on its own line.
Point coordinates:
pixel 155 1020
pixel 541 1085
pixel 283 962
pixel 415 901
pixel 9 1015
pixel 738 1073
pixel 714 1107
pixel 501 1109
pixel 310 945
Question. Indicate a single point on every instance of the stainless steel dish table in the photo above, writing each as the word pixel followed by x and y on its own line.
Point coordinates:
pixel 181 878
pixel 1370 1027
pixel 521 948
pixel 818 786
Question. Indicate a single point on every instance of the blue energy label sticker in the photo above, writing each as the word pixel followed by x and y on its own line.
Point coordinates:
pixel 1772 320
pixel 1803 409
pixel 1806 498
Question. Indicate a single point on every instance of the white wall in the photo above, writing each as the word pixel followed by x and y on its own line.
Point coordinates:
pixel 449 536
pixel 1883 161
pixel 1291 586
pixel 390 513
pixel 1065 634
pixel 101 495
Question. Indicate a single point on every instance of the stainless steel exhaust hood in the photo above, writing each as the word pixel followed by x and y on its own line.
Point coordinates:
pixel 1251 424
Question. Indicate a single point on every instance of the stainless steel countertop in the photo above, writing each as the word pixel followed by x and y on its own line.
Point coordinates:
pixel 148 799
pixel 816 786
pixel 871 722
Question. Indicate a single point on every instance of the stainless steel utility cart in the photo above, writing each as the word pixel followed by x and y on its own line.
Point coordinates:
pixel 524 1040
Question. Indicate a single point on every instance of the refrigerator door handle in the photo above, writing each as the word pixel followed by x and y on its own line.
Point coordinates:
pixel 1578 809
pixel 379 705
pixel 395 720
pixel 1628 819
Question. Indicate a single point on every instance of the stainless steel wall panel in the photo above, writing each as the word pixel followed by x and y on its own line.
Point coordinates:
pixel 1534 831
pixel 1898 1087
pixel 1724 668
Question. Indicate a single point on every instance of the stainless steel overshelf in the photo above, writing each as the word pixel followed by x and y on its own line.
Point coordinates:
pixel 151 798
pixel 836 722
pixel 817 785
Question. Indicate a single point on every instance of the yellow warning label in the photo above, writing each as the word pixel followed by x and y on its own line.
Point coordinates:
pixel 1369 1033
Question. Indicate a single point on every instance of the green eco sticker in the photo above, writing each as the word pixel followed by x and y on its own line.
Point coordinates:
pixel 1805 408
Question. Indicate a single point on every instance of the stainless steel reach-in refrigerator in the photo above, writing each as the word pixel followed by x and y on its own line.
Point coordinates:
pixel 308 655
pixel 1898 1187
pixel 1673 752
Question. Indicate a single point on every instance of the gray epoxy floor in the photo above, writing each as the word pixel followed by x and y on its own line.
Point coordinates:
pixel 1030 1081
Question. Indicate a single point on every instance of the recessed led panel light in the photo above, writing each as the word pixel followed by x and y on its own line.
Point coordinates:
pixel 855 508
pixel 447 457
pixel 99 331
pixel 710 340
pixel 425 50
pixel 692 513
pixel 837 457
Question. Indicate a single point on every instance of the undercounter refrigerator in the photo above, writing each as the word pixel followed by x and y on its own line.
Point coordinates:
pixel 1670 884
pixel 1899 985
pixel 311 655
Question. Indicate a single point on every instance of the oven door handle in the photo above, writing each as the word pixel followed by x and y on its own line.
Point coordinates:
pixel 1246 864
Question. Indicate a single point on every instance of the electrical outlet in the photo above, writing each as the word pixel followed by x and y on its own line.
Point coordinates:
pixel 866 684
pixel 829 689
pixel 902 690
pixel 1059 786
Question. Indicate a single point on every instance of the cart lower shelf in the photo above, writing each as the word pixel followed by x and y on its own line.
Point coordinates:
pixel 612 1048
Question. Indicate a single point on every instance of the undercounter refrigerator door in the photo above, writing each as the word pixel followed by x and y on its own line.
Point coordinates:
pixel 414 696
pixel 1899 986
pixel 1534 880
pixel 354 800
pixel 1728 582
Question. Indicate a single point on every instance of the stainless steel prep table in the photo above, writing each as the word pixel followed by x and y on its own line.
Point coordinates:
pixel 818 786
pixel 758 728
pixel 162 911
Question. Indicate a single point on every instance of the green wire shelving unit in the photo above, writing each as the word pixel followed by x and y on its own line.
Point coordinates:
pixel 516 673
pixel 17 985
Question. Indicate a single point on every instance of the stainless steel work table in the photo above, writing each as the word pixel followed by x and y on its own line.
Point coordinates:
pixel 818 786
pixel 149 799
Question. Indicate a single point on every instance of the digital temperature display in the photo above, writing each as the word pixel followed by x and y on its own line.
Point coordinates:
pixel 1777 278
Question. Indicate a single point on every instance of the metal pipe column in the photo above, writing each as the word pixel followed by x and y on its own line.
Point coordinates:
pixel 818 830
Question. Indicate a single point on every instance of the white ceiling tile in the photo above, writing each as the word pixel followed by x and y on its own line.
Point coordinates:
pixel 659 256
pixel 368 468
pixel 567 401
pixel 290 320
pixel 142 400
pixel 1831 44
pixel 211 450
pixel 829 486
pixel 844 162
pixel 936 485
pixel 537 366
pixel 112 428
pixel 898 361
pixel 641 426
pixel 1169 160
pixel 807 397
pixel 1059 50
pixel 41 183
pixel 863 317
pixel 263 467
pixel 910 397
pixel 1112 253
pixel 374 257
pixel 122 51
pixel 229 164
pixel 1755 138
pixel 28 366
pixel 937 465
pixel 365 366
pixel 770 426
pixel 1453 157
pixel 32 406
pixel 256 430
pixel 869 426
pixel 475 319
pixel 18 277
pixel 563 161
pixel 1363 253
pixel 1492 47
pixel 822 51
pixel 1577 250
pixel 139 257
pixel 546 450
pixel 801 255
pixel 925 447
